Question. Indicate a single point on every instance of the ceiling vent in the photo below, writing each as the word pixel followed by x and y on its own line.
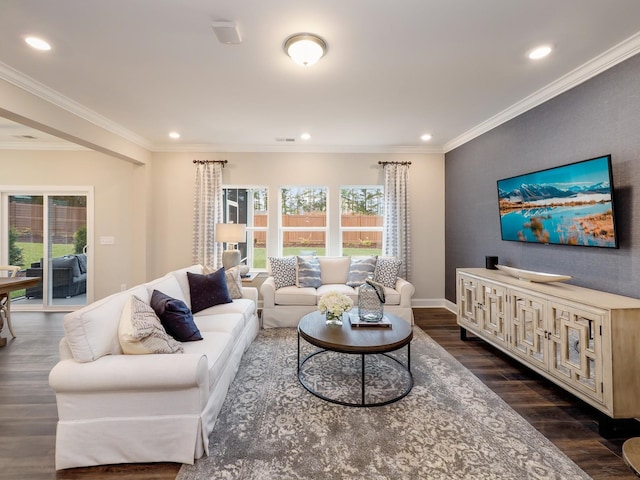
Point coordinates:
pixel 227 32
pixel 284 139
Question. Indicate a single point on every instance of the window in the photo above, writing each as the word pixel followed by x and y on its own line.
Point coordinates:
pixel 248 205
pixel 303 220
pixel 361 217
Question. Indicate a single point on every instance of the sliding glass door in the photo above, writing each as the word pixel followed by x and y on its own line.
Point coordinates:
pixel 46 236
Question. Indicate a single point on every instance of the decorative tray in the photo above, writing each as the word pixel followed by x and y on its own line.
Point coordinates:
pixel 530 276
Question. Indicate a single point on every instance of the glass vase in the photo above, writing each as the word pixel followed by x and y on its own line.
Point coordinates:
pixel 333 319
pixel 370 303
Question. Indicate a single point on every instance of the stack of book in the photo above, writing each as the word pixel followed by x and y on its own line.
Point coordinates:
pixel 357 322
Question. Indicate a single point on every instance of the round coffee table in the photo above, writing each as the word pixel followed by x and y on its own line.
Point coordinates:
pixel 362 341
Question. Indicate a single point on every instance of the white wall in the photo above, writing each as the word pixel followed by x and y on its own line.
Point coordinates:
pixel 120 200
pixel 149 209
pixel 172 185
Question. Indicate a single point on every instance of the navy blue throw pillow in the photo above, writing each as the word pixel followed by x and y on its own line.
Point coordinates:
pixel 175 316
pixel 208 290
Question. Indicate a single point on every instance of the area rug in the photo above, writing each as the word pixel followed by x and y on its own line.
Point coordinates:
pixel 450 426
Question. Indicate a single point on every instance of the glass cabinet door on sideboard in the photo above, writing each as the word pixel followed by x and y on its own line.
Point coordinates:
pixel 528 328
pixel 575 336
pixel 484 308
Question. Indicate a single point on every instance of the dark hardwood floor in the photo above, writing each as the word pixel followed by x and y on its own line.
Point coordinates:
pixel 28 410
pixel 569 423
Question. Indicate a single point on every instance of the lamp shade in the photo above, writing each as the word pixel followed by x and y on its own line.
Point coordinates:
pixel 231 232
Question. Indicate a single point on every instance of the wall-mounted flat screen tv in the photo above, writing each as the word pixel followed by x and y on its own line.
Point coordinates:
pixel 566 205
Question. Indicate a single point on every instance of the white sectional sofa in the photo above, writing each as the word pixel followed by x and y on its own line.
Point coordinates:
pixel 283 306
pixel 119 408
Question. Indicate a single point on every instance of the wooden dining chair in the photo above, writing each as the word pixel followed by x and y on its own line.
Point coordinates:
pixel 4 297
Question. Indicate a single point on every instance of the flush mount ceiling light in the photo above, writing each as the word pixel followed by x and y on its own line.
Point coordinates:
pixel 305 48
pixel 426 137
pixel 174 135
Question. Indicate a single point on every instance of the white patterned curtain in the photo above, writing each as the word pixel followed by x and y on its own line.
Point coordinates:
pixel 396 237
pixel 207 211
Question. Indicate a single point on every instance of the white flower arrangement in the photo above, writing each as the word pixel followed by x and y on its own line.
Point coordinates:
pixel 335 303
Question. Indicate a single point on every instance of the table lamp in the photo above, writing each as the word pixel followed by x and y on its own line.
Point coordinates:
pixel 231 233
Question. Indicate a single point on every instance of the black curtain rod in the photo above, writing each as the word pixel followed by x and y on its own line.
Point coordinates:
pixel 203 162
pixel 394 163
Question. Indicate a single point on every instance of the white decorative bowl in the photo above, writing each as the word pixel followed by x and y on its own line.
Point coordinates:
pixel 530 276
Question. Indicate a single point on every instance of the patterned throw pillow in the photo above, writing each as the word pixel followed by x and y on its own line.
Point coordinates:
pixel 309 272
pixel 386 272
pixel 234 282
pixel 283 270
pixel 140 331
pixel 208 290
pixel 361 269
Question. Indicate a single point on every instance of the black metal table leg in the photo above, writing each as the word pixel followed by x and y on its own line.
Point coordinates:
pixel 362 358
pixel 298 353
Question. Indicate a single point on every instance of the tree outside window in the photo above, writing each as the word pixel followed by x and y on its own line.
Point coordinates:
pixel 303 220
pixel 361 220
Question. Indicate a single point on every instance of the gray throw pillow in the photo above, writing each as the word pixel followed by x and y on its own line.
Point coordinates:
pixel 309 272
pixel 361 269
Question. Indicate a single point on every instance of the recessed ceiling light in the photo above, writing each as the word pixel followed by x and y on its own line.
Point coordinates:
pixel 38 43
pixel 426 137
pixel 305 136
pixel 539 52
pixel 174 135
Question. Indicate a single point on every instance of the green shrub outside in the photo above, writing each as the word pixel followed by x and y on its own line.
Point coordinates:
pixel 80 240
pixel 15 252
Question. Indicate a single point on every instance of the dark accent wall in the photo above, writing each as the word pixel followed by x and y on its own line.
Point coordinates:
pixel 598 117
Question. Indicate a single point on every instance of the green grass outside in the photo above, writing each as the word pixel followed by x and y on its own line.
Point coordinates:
pixel 33 252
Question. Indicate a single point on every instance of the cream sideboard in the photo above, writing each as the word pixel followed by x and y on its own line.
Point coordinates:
pixel 586 341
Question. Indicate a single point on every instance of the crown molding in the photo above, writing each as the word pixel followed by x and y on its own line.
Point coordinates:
pixel 621 52
pixel 219 148
pixel 32 86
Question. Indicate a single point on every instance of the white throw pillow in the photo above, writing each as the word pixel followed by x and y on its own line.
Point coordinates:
pixel 92 331
pixel 234 282
pixel 140 331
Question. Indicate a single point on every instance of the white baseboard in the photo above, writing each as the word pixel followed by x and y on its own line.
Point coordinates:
pixel 434 303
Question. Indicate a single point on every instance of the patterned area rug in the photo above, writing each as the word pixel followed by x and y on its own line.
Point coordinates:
pixel 450 426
